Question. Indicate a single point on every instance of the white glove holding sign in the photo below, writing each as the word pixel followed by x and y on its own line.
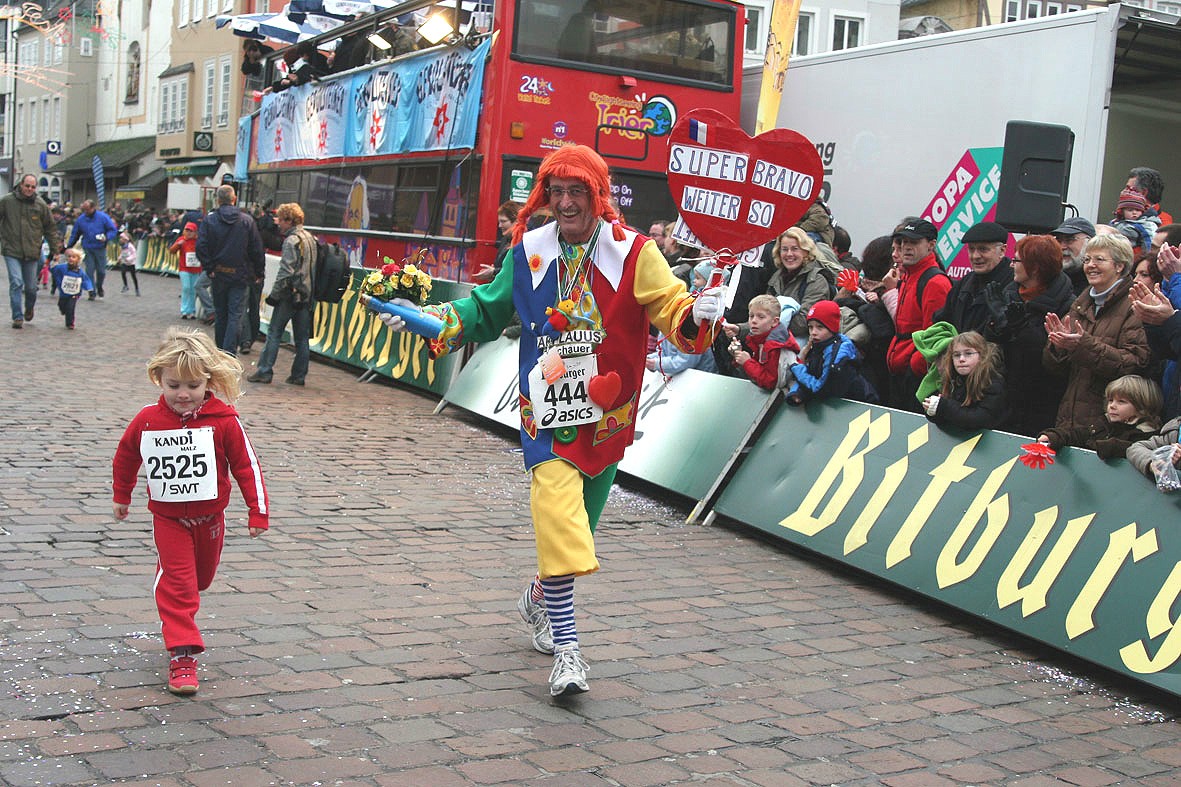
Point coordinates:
pixel 393 321
pixel 710 305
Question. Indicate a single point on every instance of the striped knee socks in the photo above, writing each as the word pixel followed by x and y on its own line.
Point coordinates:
pixel 559 603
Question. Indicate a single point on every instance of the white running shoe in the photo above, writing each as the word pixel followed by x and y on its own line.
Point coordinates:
pixel 535 615
pixel 569 674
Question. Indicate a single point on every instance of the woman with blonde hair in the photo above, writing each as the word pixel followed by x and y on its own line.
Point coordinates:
pixel 798 275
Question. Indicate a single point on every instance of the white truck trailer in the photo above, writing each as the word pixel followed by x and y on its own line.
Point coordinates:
pixel 918 126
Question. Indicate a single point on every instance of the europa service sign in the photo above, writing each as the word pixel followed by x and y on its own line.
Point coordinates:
pixel 737 192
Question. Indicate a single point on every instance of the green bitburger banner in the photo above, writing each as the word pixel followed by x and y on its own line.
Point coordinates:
pixel 1084 555
pixel 350 333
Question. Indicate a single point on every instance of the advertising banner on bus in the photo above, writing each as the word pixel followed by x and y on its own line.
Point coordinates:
pixel 422 103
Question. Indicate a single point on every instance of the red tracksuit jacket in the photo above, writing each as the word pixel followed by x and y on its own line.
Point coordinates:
pixel 234 455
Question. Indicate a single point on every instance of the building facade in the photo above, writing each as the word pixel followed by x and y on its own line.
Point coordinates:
pixel 824 25
pixel 200 97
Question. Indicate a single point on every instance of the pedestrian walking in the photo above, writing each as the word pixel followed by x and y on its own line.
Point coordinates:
pixel 231 254
pixel 191 443
pixel 25 222
pixel 290 297
pixel 95 229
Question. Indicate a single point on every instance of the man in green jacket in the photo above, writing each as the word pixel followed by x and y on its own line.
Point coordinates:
pixel 25 220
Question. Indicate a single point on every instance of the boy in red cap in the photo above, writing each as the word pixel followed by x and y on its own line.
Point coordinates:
pixel 829 364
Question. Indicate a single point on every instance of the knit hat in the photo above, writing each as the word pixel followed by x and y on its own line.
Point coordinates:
pixel 1130 198
pixel 572 161
pixel 705 269
pixel 827 313
pixel 930 343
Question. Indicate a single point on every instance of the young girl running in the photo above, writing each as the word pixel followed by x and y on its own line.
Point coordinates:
pixel 973 391
pixel 127 256
pixel 191 443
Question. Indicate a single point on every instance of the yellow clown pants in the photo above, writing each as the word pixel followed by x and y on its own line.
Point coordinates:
pixel 566 506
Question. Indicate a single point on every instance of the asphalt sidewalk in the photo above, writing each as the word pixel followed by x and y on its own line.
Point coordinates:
pixel 371 637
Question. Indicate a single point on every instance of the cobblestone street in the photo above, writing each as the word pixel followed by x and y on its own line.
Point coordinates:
pixel 372 638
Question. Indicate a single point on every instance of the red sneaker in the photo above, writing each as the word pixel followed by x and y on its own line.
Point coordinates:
pixel 182 675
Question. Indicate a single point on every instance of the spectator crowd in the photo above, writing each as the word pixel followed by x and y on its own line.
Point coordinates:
pixel 1069 338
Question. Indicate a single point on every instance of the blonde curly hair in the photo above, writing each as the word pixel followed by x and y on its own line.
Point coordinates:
pixel 195 357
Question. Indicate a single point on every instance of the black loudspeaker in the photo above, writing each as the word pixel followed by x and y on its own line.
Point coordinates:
pixel 1035 172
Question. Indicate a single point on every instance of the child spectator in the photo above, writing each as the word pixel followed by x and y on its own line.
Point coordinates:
pixel 1140 454
pixel 666 358
pixel 829 364
pixel 1131 213
pixel 192 434
pixel 878 291
pixel 757 355
pixel 973 389
pixel 69 281
pixel 931 343
pixel 127 256
pixel 1133 414
pixel 190 270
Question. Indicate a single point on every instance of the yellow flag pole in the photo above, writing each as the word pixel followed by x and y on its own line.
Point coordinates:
pixel 780 38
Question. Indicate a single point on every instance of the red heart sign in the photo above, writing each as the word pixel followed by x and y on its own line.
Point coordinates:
pixel 736 192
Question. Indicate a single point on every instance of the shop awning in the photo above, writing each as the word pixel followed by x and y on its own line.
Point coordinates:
pixel 116 153
pixel 193 168
pixel 138 188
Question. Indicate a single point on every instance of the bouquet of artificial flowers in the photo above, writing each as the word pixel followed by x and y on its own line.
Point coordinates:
pixel 401 289
pixel 398 280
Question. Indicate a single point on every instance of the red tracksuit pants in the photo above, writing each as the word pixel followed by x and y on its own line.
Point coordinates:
pixel 188 553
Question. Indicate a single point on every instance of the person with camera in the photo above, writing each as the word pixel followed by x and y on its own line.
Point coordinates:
pixel 95 229
pixel 290 297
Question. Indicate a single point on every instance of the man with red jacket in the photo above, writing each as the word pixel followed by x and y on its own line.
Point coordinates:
pixel 922 291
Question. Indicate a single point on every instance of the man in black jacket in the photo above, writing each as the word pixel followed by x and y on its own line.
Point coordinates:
pixel 967 304
pixel 231 254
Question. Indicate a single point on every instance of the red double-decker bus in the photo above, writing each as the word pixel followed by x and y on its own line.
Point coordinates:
pixel 436 139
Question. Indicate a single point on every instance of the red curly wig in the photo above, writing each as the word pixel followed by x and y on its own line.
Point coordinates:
pixel 573 161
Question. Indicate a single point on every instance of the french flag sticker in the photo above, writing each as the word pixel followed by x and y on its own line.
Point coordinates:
pixel 698 131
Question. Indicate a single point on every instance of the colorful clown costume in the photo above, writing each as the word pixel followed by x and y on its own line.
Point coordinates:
pixel 585 311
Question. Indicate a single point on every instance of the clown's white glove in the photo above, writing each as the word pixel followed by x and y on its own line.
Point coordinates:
pixel 393 321
pixel 710 305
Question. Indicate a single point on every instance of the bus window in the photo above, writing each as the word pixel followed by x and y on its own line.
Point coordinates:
pixel 263 185
pixel 667 39
pixel 382 185
pixel 316 194
pixel 288 188
pixel 415 202
pixel 334 199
